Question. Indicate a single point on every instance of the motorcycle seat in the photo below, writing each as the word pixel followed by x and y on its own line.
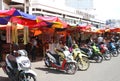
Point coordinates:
pixel 12 60
pixel 56 56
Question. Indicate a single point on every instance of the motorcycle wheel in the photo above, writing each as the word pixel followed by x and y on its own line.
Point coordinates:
pixel 114 53
pixel 47 62
pixel 71 68
pixel 98 58
pixel 27 77
pixel 107 56
pixel 85 65
pixel 118 50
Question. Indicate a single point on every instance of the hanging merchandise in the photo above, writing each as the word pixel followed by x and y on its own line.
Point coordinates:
pixel 14 33
pixel 26 35
pixel 8 33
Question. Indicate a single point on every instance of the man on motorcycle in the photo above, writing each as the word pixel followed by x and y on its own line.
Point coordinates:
pixel 59 50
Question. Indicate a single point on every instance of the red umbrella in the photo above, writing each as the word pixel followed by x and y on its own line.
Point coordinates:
pixel 4 13
pixel 23 21
pixel 55 20
pixel 20 17
pixel 84 28
pixel 115 30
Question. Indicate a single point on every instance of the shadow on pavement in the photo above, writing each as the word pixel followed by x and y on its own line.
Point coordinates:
pixel 4 78
pixel 93 61
pixel 50 70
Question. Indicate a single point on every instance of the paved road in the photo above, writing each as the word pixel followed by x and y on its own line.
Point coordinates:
pixel 105 71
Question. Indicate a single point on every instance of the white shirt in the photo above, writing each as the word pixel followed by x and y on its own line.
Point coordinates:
pixel 100 39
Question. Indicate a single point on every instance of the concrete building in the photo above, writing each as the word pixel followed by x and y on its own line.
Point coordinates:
pixel 67 10
pixel 80 4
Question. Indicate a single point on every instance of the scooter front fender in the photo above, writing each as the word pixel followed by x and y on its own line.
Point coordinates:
pixel 30 72
pixel 69 61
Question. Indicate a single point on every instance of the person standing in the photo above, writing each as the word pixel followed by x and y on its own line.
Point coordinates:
pixel 69 40
pixel 33 48
pixel 1 50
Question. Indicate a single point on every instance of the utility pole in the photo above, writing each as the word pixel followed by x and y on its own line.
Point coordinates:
pixel 25 6
pixel 1 4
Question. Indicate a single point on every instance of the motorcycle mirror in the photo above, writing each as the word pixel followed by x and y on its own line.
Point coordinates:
pixel 14 51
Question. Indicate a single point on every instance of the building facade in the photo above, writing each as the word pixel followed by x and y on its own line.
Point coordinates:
pixel 67 10
pixel 80 4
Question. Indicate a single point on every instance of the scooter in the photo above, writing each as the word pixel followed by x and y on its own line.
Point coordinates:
pixel 67 64
pixel 18 67
pixel 117 45
pixel 112 49
pixel 93 53
pixel 105 52
pixel 82 59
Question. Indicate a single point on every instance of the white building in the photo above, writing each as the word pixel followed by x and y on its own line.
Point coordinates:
pixel 80 4
pixel 67 10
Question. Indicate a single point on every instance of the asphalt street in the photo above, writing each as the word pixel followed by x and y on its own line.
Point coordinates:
pixel 105 71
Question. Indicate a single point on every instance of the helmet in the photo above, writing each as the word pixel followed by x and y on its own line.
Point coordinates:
pixel 75 46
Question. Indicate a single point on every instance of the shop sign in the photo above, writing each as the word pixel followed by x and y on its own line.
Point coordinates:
pixel 18 1
pixel 85 15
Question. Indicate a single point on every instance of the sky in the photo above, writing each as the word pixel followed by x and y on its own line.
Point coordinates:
pixel 107 9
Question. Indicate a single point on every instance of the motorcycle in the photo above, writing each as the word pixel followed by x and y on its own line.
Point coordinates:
pixel 93 53
pixel 18 67
pixel 112 49
pixel 117 45
pixel 105 52
pixel 81 59
pixel 67 64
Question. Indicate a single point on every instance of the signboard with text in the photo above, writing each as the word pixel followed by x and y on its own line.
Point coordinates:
pixel 18 1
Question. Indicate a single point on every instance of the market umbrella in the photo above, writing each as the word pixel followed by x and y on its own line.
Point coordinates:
pixel 24 21
pixel 4 20
pixel 24 18
pixel 17 16
pixel 4 13
pixel 117 29
pixel 37 32
pixel 84 28
pixel 19 13
pixel 55 21
pixel 32 20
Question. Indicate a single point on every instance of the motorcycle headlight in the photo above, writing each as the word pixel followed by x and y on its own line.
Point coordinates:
pixel 69 57
pixel 25 64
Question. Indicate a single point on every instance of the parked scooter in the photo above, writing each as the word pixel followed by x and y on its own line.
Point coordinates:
pixel 104 51
pixel 18 67
pixel 82 59
pixel 112 48
pixel 67 64
pixel 117 45
pixel 93 53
